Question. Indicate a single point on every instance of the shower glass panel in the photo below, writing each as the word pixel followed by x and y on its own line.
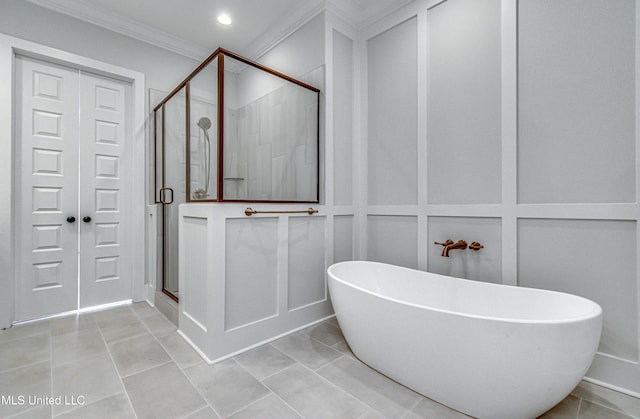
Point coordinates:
pixel 174 177
pixel 270 136
pixel 157 154
pixel 203 147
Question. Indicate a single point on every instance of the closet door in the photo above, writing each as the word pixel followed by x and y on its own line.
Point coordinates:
pixel 72 246
pixel 104 257
pixel 46 229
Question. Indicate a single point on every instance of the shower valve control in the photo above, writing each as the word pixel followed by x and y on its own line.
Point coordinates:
pixel 475 246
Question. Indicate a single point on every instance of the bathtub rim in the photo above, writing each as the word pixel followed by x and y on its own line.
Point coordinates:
pixel 590 315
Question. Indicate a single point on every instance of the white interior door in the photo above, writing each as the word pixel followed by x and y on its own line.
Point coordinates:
pixel 104 264
pixel 47 150
pixel 71 133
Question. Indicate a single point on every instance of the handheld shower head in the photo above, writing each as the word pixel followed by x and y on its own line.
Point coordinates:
pixel 204 123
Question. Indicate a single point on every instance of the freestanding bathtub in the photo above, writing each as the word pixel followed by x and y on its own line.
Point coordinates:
pixel 487 350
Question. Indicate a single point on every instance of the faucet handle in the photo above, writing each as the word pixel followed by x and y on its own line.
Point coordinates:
pixel 447 243
pixel 475 246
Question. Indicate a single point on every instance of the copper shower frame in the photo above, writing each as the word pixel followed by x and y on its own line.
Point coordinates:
pixel 220 54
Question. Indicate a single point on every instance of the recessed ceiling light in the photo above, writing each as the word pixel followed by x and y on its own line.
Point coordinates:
pixel 224 18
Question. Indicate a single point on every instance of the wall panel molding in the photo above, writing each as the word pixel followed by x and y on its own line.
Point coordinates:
pixel 616 368
pixel 260 276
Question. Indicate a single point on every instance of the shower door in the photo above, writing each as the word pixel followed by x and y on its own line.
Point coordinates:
pixel 191 112
pixel 173 191
pixel 174 173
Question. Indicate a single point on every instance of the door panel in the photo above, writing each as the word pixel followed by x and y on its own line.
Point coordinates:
pixel 47 193
pixel 104 259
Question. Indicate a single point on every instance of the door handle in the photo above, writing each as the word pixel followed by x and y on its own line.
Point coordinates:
pixel 86 219
pixel 71 219
pixel 163 196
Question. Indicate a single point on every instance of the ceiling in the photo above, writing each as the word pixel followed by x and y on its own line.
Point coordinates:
pixel 189 27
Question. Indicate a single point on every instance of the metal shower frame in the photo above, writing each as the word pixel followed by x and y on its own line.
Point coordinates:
pixel 220 53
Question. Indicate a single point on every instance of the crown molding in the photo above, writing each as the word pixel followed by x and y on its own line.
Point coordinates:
pixel 134 29
pixel 347 10
pixel 366 15
pixel 285 27
pixel 125 26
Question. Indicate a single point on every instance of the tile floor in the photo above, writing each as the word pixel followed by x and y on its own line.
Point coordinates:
pixel 129 362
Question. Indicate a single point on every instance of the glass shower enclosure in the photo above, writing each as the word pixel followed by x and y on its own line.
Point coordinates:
pixel 233 131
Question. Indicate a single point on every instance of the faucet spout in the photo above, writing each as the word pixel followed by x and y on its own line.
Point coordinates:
pixel 460 244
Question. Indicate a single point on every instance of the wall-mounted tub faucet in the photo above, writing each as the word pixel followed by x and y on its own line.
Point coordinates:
pixel 460 244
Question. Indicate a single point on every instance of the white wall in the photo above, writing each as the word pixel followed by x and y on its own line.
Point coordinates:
pixel 527 144
pixel 300 52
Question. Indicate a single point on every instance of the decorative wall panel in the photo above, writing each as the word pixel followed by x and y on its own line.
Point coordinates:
pixel 595 259
pixel 527 142
pixel 464 104
pixel 342 119
pixel 393 239
pixel 392 114
pixel 307 279
pixel 194 301
pixel 576 101
pixel 342 238
pixel 251 289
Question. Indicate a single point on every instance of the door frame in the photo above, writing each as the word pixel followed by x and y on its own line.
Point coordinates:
pixel 10 46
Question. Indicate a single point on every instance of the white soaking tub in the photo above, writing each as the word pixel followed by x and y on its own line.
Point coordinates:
pixel 487 350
